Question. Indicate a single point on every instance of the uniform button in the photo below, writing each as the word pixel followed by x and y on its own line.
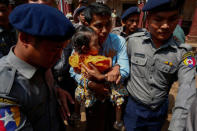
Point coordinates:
pixel 152 99
pixel 151 77
pixel 9 69
pixel 136 61
pixel 151 88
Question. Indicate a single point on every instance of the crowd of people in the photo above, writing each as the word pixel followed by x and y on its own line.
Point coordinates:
pixel 55 73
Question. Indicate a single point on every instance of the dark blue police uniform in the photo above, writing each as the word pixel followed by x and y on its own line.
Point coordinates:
pixel 27 100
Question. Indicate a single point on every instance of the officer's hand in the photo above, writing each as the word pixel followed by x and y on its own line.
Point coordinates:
pixel 114 74
pixel 63 97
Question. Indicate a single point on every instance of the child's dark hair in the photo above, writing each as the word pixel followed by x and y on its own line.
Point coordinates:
pixel 82 37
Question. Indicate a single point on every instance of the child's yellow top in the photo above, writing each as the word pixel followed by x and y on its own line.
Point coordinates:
pixel 102 63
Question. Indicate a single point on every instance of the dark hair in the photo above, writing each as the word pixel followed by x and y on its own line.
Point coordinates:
pixel 82 37
pixel 96 9
pixel 5 2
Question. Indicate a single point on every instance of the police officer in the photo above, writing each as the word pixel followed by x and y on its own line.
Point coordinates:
pixel 156 61
pixel 27 101
pixel 8 35
pixel 79 16
pixel 60 71
pixel 130 20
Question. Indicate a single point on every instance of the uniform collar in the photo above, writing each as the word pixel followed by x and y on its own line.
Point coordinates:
pixel 21 66
pixel 170 43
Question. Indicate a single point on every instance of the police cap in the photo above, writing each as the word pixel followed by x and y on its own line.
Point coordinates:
pixel 128 12
pixel 79 10
pixel 162 5
pixel 41 20
pixel 83 1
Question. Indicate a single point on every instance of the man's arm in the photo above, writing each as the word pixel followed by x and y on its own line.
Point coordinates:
pixel 192 117
pixel 185 96
pixel 98 87
pixel 121 68
pixel 62 96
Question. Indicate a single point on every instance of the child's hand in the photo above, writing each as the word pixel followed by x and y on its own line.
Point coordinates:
pixel 94 72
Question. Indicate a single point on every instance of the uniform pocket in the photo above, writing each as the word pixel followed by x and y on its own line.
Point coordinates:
pixel 138 66
pixel 162 67
pixel 165 73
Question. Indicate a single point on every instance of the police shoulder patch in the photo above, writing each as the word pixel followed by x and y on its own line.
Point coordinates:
pixel 189 60
pixel 9 118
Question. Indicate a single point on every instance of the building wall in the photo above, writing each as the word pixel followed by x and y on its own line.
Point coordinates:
pixel 115 4
pixel 187 15
pixel 121 5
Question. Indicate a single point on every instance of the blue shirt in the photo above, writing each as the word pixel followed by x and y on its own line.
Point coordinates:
pixel 114 47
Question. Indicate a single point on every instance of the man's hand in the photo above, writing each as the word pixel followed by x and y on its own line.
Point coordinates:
pixel 93 73
pixel 63 97
pixel 114 74
pixel 98 88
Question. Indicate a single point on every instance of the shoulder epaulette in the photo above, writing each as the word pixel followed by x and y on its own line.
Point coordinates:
pixel 185 46
pixel 7 75
pixel 139 33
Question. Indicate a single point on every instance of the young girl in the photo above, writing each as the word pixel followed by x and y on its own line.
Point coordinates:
pixel 86 50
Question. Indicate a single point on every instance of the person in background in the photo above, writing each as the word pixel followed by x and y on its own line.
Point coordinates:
pixel 130 20
pixel 98 17
pixel 8 35
pixel 81 3
pixel 28 101
pixel 156 61
pixel 113 16
pixel 80 16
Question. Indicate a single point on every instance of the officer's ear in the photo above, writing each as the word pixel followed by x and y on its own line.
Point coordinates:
pixel 122 22
pixel 148 18
pixel 26 39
